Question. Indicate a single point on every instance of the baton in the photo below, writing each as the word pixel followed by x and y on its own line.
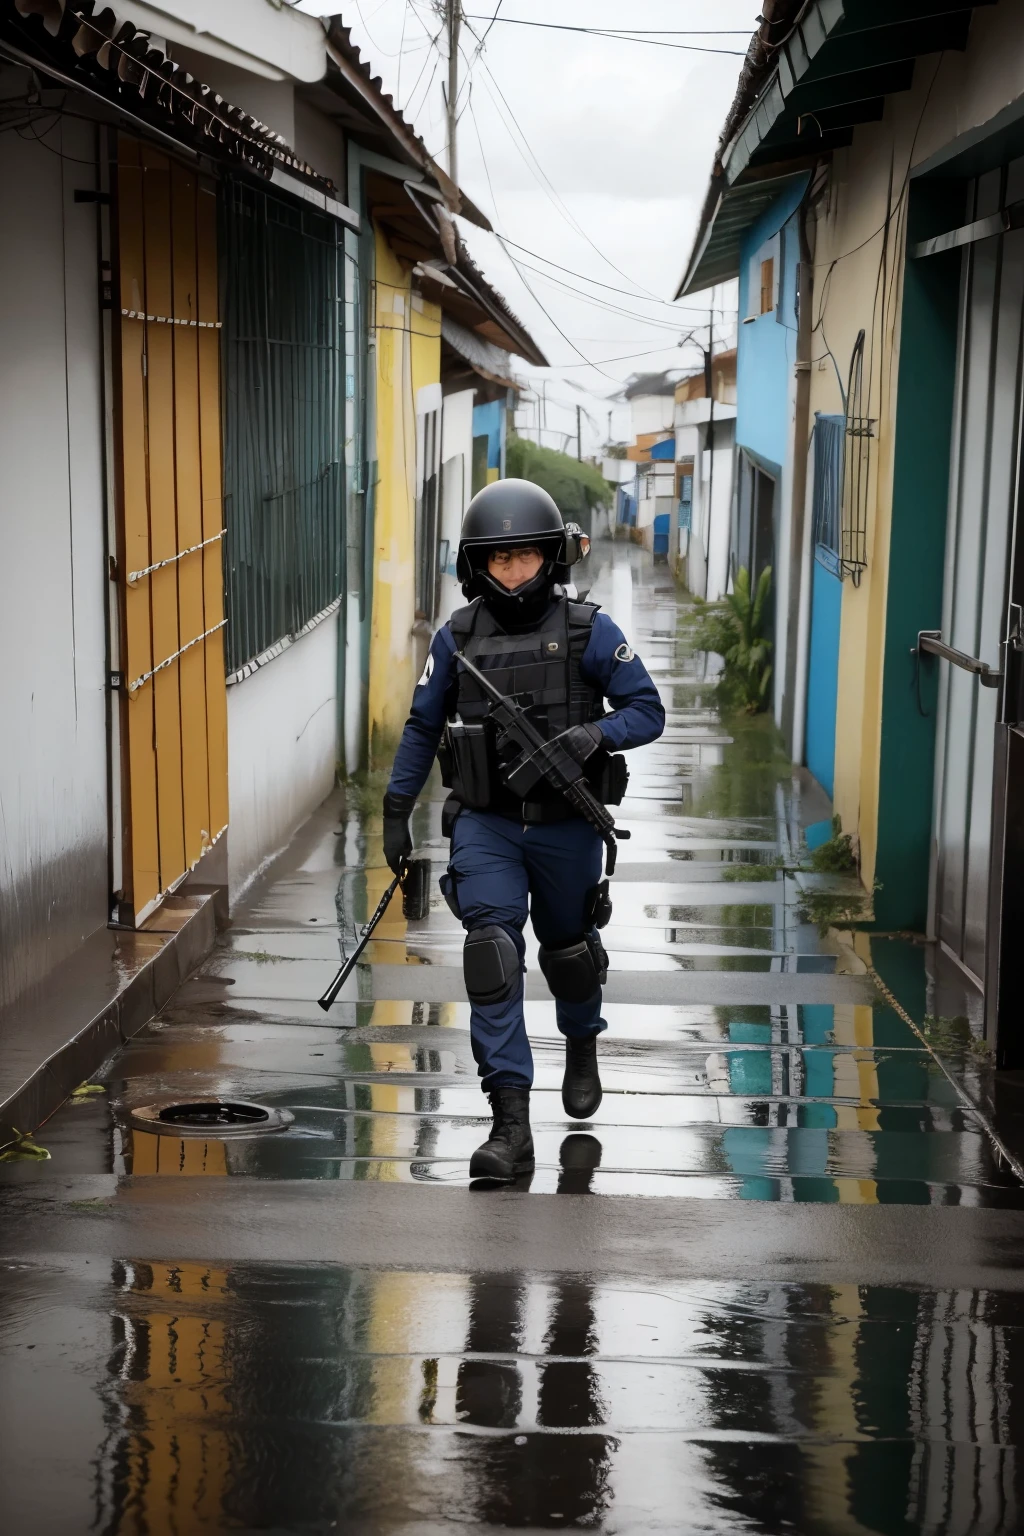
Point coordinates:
pixel 417 871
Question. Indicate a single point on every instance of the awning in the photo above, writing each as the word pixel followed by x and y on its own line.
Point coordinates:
pixel 837 64
pixel 491 362
pixel 717 257
pixel 94 50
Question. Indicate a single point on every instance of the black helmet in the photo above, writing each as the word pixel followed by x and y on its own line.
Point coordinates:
pixel 514 513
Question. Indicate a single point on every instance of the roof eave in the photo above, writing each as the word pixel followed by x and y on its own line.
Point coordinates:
pixel 349 63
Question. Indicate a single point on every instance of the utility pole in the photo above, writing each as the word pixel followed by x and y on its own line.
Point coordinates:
pixel 453 22
pixel 579 440
pixel 709 378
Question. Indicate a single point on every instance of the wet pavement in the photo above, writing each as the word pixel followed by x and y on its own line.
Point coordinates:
pixel 773 1285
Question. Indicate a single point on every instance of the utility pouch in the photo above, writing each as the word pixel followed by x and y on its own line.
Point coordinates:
pixel 612 779
pixel 471 762
pixel 449 815
pixel 450 892
pixel 446 762
pixel 597 908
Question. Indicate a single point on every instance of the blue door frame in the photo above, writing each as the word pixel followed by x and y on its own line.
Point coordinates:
pixel 823 676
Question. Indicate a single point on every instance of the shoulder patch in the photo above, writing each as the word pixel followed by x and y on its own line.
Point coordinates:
pixel 428 672
pixel 623 652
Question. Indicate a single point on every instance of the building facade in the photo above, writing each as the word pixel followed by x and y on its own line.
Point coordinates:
pixel 227 260
pixel 903 614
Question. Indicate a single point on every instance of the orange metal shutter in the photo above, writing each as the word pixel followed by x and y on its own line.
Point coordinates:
pixel 170 570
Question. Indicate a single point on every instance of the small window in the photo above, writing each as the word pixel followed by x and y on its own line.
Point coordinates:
pixel 768 285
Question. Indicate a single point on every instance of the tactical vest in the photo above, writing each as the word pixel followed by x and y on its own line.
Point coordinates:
pixel 540 669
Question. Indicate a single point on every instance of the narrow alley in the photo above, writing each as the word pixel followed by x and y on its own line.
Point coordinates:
pixel 771 1286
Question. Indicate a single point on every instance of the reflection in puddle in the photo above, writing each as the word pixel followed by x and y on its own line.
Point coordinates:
pixel 281 1398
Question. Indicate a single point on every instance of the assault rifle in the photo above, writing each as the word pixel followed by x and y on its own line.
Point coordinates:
pixel 539 759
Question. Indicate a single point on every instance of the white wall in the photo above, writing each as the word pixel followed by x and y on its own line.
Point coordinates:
pixel 53 764
pixel 721 509
pixel 456 488
pixel 282 749
pixel 651 413
pixel 708 554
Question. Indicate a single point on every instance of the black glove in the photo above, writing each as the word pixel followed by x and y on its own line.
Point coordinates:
pixel 397 837
pixel 581 741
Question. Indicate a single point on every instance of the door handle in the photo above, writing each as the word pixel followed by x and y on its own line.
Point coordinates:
pixel 931 643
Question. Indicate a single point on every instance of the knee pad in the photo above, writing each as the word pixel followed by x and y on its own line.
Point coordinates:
pixel 575 971
pixel 491 965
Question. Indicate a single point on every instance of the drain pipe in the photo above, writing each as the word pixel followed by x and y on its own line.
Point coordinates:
pixel 798 613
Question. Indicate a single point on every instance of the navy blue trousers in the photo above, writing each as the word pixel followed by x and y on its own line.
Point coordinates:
pixel 501 873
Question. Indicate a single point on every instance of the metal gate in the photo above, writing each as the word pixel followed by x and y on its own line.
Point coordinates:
pixel 983 482
pixel 173 712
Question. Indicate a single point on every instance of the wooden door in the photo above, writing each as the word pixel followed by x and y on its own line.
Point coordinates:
pixel 170 572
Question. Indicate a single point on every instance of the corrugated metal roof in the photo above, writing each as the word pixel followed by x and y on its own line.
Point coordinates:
pixel 484 356
pixel 717 258
pixel 801 95
pixel 110 58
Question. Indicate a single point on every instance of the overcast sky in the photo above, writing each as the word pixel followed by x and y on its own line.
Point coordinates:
pixel 597 159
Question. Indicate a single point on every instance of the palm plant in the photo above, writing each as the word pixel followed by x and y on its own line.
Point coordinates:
pixel 732 629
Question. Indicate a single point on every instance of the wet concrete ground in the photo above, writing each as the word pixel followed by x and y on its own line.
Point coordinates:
pixel 773 1285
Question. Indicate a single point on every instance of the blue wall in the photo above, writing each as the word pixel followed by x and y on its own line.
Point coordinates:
pixel 823 676
pixel 767 345
pixel 489 421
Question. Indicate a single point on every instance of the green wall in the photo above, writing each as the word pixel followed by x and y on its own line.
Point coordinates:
pixel 924 416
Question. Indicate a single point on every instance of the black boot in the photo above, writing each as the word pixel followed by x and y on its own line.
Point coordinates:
pixel 508 1150
pixel 581 1085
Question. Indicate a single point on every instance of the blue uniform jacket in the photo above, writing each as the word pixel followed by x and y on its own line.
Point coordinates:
pixel 638 715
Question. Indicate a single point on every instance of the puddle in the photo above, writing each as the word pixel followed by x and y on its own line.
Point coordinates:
pixel 287 1398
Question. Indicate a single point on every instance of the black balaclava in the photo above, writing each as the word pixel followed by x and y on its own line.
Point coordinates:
pixel 525 606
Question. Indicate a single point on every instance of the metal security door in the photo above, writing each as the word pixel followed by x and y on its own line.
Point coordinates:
pixel 170 582
pixel 983 482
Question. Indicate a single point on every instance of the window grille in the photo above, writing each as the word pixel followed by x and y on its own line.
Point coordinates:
pixel 282 305
pixel 860 429
pixel 827 492
pixel 686 501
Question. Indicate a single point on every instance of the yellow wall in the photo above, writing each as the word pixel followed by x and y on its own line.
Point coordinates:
pixel 858 273
pixel 408 353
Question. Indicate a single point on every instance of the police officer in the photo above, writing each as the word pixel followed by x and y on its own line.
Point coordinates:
pixel 560 659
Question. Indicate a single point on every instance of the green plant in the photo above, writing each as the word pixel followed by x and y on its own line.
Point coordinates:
pixel 733 629
pixel 831 909
pixel 752 871
pixel 576 486
pixel 953 1034
pixel 834 857
pixel 364 791
pixel 23 1149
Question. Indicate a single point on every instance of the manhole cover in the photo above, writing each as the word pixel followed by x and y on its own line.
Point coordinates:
pixel 213 1118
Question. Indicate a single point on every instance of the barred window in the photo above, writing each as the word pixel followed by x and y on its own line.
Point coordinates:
pixel 282 278
pixel 827 499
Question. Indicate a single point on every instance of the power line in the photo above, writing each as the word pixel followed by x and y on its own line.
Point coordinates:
pixel 666 303
pixel 604 304
pixel 622 36
pixel 515 264
pixel 552 191
pixel 627 357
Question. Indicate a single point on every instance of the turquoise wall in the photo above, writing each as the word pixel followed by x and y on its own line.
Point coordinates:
pixel 823 676
pixel 489 422
pixel 917 549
